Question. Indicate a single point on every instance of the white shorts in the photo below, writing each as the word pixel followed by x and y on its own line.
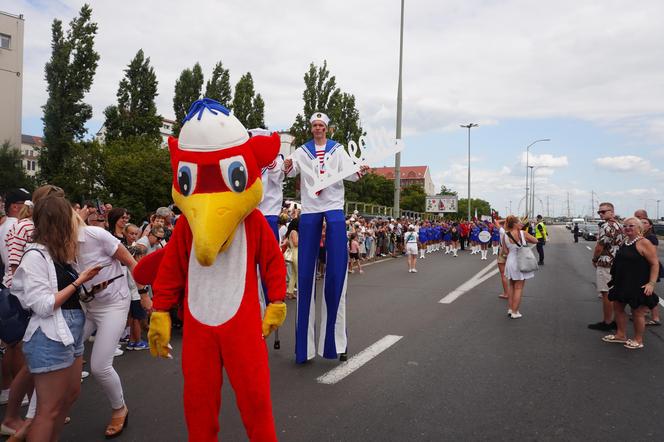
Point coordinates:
pixel 603 277
pixel 411 249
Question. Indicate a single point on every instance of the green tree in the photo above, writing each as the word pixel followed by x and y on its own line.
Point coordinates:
pixel 84 170
pixel 137 176
pixel 444 190
pixel 345 118
pixel 413 198
pixel 12 173
pixel 483 208
pixel 320 92
pixel 372 188
pixel 136 112
pixel 187 90
pixel 248 107
pixel 257 116
pixel 219 86
pixel 69 75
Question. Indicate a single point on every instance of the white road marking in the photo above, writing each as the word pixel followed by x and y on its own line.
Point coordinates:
pixel 661 302
pixel 587 247
pixel 473 282
pixel 336 374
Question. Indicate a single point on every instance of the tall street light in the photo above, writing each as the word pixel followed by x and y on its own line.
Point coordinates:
pixel 527 164
pixel 469 126
pixel 532 191
pixel 397 156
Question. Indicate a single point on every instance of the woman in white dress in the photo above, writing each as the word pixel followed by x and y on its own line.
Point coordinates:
pixel 514 238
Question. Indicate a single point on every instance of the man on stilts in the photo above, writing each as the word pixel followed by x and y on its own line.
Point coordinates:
pixel 327 205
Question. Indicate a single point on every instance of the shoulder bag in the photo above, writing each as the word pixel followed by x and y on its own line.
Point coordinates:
pixel 14 318
pixel 525 257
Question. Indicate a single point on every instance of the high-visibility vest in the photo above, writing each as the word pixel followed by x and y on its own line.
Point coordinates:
pixel 540 234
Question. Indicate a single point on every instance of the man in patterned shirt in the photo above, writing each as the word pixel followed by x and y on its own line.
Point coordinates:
pixel 608 242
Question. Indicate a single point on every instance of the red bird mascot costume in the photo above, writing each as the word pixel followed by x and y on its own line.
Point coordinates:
pixel 209 269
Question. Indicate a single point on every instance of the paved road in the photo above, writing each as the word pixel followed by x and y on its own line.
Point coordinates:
pixel 461 371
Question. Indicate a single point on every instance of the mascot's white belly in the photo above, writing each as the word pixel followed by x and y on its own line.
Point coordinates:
pixel 215 292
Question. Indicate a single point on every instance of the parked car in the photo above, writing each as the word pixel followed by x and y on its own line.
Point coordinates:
pixel 590 232
pixel 659 229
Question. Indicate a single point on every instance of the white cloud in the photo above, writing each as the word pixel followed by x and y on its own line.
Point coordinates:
pixel 544 160
pixel 625 163
pixel 632 193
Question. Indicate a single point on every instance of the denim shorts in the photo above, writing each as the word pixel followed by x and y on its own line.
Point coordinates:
pixel 136 311
pixel 43 354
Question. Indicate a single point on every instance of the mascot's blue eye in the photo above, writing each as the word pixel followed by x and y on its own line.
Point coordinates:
pixel 187 178
pixel 234 172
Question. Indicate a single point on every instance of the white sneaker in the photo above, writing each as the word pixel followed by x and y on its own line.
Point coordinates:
pixel 509 312
pixel 516 315
pixel 414 270
pixel 410 270
pixel 4 396
pixel 85 374
pixel 118 352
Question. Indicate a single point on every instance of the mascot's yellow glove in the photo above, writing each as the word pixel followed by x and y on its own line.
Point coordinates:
pixel 159 334
pixel 275 314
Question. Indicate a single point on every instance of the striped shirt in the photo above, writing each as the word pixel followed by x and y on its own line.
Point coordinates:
pixel 320 154
pixel 18 236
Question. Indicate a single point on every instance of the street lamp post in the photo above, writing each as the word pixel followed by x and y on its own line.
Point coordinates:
pixel 532 192
pixel 527 164
pixel 657 210
pixel 397 156
pixel 469 126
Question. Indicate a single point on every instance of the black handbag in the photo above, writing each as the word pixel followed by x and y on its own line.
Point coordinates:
pixel 14 318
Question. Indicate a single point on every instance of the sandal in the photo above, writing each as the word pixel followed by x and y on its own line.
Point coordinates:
pixel 613 338
pixel 632 345
pixel 117 425
pixel 654 322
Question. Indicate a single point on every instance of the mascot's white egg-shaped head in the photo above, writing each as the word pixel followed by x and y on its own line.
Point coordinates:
pixel 214 129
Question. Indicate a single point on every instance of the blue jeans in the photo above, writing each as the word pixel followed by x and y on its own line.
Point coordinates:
pixel 43 354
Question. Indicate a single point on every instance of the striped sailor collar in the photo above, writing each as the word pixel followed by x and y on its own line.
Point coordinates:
pixel 310 147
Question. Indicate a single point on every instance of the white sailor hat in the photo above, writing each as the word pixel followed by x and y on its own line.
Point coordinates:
pixel 209 126
pixel 319 116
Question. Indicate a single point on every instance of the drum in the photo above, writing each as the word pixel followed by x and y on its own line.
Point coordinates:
pixel 484 237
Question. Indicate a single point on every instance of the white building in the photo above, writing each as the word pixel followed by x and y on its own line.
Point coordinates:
pixel 30 146
pixel 11 77
pixel 166 130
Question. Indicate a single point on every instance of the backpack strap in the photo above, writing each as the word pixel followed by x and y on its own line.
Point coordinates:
pixel 30 250
pixel 518 243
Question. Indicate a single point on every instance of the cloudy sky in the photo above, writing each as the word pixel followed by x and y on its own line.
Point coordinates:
pixel 588 75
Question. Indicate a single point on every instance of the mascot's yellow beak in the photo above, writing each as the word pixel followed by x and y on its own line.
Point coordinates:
pixel 214 217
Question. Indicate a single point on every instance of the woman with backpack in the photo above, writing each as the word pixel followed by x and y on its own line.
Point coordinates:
pixel 46 283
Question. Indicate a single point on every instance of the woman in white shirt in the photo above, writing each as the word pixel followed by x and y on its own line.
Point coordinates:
pixel 46 283
pixel 107 302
